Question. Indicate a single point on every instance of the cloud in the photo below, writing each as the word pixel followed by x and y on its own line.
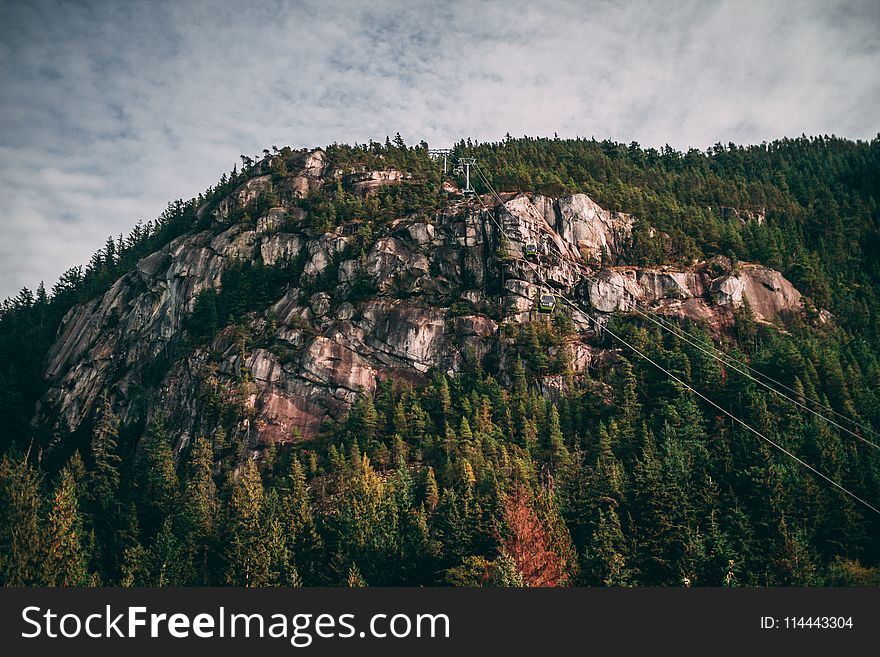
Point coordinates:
pixel 109 110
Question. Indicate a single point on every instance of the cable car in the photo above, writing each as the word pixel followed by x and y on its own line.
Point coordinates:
pixel 547 303
pixel 531 250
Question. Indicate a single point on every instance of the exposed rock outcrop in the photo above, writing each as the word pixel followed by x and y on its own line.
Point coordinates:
pixel 593 230
pixel 767 291
pixel 427 292
pixel 369 181
pixel 698 293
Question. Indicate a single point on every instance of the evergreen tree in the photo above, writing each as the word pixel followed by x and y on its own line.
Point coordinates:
pixel 556 441
pixel 200 493
pixel 166 563
pixel 605 560
pixel 103 479
pixel 66 560
pixel 23 540
pixel 432 493
pixel 246 556
pixel 156 481
pixel 300 528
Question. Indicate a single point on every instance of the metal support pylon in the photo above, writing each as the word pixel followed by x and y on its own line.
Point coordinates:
pixel 437 153
pixel 466 163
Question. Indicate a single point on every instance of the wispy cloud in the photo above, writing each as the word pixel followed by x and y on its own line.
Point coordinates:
pixel 109 110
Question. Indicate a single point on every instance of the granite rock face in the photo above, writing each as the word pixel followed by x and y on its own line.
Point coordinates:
pixel 425 293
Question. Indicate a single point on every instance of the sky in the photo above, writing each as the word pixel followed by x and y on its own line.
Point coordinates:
pixel 109 110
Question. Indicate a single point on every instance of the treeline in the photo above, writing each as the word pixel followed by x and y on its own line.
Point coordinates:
pixel 29 321
pixel 819 197
pixel 487 478
pixel 624 479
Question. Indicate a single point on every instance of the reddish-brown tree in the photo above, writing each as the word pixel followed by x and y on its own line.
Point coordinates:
pixel 527 541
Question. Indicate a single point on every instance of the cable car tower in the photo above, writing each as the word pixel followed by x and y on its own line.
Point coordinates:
pixel 465 164
pixel 437 153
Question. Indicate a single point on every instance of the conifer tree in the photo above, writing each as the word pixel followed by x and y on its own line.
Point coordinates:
pixel 23 544
pixel 134 568
pixel 103 480
pixel 555 439
pixel 66 560
pixel 432 492
pixel 299 524
pixel 156 482
pixel 354 578
pixel 528 543
pixel 629 411
pixel 465 435
pixel 282 569
pixel 370 421
pixel 200 494
pixel 166 561
pixel 605 558
pixel 245 557
pixel 505 572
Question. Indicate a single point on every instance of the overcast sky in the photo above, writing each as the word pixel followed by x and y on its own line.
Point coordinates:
pixel 108 110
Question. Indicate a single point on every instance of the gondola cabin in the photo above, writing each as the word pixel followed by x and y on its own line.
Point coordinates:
pixel 546 303
pixel 531 250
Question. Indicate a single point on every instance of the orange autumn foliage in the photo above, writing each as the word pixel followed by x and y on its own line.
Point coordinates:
pixel 528 542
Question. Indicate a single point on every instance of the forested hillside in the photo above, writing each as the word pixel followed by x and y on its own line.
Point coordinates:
pixel 482 442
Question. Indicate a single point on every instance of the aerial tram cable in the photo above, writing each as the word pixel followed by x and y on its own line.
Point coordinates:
pixel 721 356
pixel 718 355
pixel 738 366
pixel 741 367
pixel 546 301
pixel 733 364
pixel 602 327
pixel 725 411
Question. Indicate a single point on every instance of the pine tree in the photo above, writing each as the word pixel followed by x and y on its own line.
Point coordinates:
pixel 200 493
pixel 103 480
pixel 432 492
pixel 23 547
pixel 66 559
pixel 354 579
pixel 605 560
pixel 556 442
pixel 134 567
pixel 156 481
pixel 370 421
pixel 629 412
pixel 401 425
pixel 444 398
pixel 792 562
pixel 282 569
pixel 299 524
pixel 527 542
pixel 465 435
pixel 505 572
pixel 166 561
pixel 245 556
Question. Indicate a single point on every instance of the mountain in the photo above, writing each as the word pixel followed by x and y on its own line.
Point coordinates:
pixel 356 305
pixel 658 367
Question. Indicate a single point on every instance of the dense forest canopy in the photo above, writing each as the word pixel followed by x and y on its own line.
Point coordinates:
pixel 478 479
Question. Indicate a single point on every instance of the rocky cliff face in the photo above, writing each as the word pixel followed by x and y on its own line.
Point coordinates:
pixel 698 293
pixel 438 287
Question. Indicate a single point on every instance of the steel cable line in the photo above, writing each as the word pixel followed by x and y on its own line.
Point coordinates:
pixel 718 355
pixel 725 411
pixel 733 361
pixel 729 362
pixel 709 401
pixel 729 414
